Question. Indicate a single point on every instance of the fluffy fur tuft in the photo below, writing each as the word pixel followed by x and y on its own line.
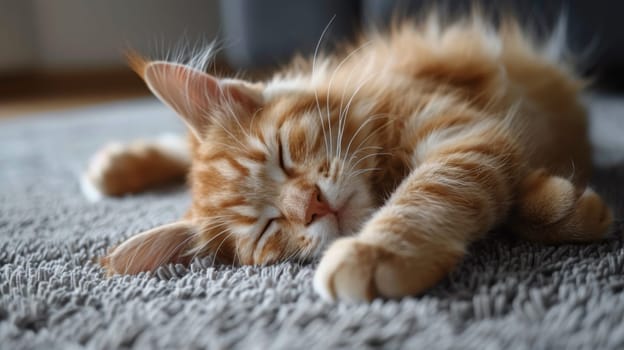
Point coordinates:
pixel 136 62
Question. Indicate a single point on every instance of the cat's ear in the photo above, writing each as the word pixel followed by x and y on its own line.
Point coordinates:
pixel 151 249
pixel 194 95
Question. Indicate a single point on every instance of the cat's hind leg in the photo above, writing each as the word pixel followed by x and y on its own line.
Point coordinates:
pixel 125 168
pixel 551 209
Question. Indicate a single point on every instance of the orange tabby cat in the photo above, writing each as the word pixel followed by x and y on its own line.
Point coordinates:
pixel 387 160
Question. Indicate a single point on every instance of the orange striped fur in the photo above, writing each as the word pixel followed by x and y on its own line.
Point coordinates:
pixel 387 160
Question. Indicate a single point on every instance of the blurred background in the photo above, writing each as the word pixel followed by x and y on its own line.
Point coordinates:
pixel 65 53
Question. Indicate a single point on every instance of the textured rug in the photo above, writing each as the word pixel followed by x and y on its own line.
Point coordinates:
pixel 506 294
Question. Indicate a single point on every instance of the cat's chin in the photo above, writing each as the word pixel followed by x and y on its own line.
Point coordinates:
pixel 351 210
pixel 352 214
pixel 339 223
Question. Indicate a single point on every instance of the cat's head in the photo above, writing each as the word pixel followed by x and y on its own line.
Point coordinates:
pixel 279 170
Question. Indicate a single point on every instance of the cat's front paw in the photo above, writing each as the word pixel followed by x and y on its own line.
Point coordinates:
pixel 346 271
pixel 355 270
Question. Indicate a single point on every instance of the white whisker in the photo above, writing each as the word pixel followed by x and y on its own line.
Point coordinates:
pixel 353 166
pixel 314 60
pixel 359 129
pixel 342 116
pixel 360 172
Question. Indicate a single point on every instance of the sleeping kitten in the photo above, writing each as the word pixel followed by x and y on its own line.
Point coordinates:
pixel 386 160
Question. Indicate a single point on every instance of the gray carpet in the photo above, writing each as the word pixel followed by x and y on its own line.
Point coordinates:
pixel 507 294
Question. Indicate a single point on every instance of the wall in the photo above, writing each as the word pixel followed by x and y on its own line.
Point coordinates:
pixel 17 35
pixel 79 34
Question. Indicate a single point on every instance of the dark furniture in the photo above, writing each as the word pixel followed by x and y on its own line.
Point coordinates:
pixel 264 33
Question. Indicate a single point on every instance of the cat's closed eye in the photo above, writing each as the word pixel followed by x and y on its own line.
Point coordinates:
pixel 282 164
pixel 266 228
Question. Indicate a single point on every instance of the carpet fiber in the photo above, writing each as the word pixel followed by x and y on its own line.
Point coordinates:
pixel 506 294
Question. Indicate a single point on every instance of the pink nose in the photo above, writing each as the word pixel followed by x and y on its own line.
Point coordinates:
pixel 317 208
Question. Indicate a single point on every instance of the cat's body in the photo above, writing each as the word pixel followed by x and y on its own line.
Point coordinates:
pixel 412 144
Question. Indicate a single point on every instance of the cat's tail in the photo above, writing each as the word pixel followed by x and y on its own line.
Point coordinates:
pixel 119 169
pixel 551 209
